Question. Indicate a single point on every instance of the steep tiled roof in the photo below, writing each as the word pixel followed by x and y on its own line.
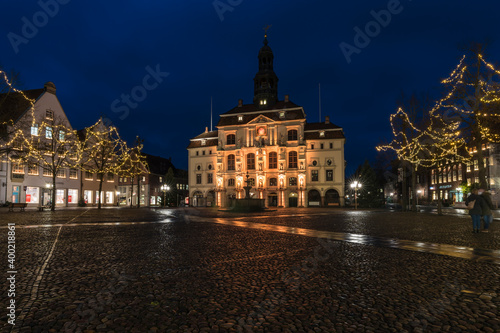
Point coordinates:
pixel 13 105
pixel 205 135
pixel 197 144
pixel 159 165
pixel 328 135
pixel 252 108
pixel 289 115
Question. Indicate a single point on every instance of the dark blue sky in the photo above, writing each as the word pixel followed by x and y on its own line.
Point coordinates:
pixel 95 51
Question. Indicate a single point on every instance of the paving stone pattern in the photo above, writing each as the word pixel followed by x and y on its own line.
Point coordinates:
pixel 174 274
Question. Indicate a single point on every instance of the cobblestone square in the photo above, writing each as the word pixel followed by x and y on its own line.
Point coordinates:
pixel 294 270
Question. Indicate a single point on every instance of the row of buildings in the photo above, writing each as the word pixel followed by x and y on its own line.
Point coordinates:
pixel 445 180
pixel 32 184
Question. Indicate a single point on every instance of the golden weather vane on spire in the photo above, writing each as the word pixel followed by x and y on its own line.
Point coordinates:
pixel 266 29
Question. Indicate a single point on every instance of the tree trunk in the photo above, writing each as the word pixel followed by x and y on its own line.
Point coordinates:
pixel 482 170
pixel 138 191
pixel 414 188
pixel 81 185
pixel 404 192
pixel 53 196
pixel 101 176
pixel 131 191
pixel 440 204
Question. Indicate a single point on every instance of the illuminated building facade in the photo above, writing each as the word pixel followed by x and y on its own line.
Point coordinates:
pixel 290 162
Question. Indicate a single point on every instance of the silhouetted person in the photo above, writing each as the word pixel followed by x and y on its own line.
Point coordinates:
pixel 476 211
pixel 487 207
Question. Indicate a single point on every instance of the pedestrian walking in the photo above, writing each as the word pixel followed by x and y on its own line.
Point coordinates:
pixel 476 211
pixel 487 207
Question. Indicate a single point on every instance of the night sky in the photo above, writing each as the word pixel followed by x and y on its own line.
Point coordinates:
pixel 95 51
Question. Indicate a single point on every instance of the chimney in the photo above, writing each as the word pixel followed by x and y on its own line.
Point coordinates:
pixel 327 120
pixel 206 129
pixel 287 98
pixel 50 87
pixel 240 103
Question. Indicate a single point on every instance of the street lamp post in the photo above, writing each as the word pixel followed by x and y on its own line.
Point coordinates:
pixel 356 185
pixel 164 189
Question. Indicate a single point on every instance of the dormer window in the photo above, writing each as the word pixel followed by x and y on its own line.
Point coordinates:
pixel 282 114
pixel 240 118
pixel 203 142
pixel 263 102
pixel 322 134
pixel 49 114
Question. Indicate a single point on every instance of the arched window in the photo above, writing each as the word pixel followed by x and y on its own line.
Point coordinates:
pixel 230 162
pixel 231 139
pixel 251 161
pixel 292 135
pixel 273 160
pixel 292 160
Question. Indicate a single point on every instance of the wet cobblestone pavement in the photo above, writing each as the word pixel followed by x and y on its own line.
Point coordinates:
pixel 189 270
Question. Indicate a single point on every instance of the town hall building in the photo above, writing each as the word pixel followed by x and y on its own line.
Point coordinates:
pixel 289 162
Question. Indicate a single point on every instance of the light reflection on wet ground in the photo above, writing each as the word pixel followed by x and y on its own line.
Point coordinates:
pixel 483 255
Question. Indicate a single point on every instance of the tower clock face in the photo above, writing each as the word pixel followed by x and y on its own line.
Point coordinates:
pixel 261 131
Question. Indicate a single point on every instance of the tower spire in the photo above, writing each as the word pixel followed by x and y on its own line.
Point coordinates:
pixel 265 81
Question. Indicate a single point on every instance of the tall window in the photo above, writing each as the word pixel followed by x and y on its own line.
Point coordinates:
pixel 273 182
pixel 231 162
pixel 273 160
pixel 198 178
pixel 110 177
pixel 251 161
pixel 314 175
pixel 48 132
pixel 210 178
pixel 231 139
pixel 73 174
pixel 17 168
pixel 89 175
pixel 230 182
pixel 292 135
pixel 292 160
pixel 329 175
pixel 292 181
pixel 34 129
pixel 49 114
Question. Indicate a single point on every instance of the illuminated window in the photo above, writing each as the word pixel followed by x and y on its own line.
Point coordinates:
pixel 111 177
pixel 49 114
pixel 231 139
pixel 282 114
pixel 251 161
pixel 322 135
pixel 203 143
pixel 18 168
pixel 476 165
pixel 292 160
pixel 62 135
pixel 48 132
pixel 292 181
pixel 231 165
pixel 263 102
pixel 73 174
pixel 273 160
pixel 47 172
pixel 34 130
pixel 33 169
pixel 240 118
pixel 61 173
